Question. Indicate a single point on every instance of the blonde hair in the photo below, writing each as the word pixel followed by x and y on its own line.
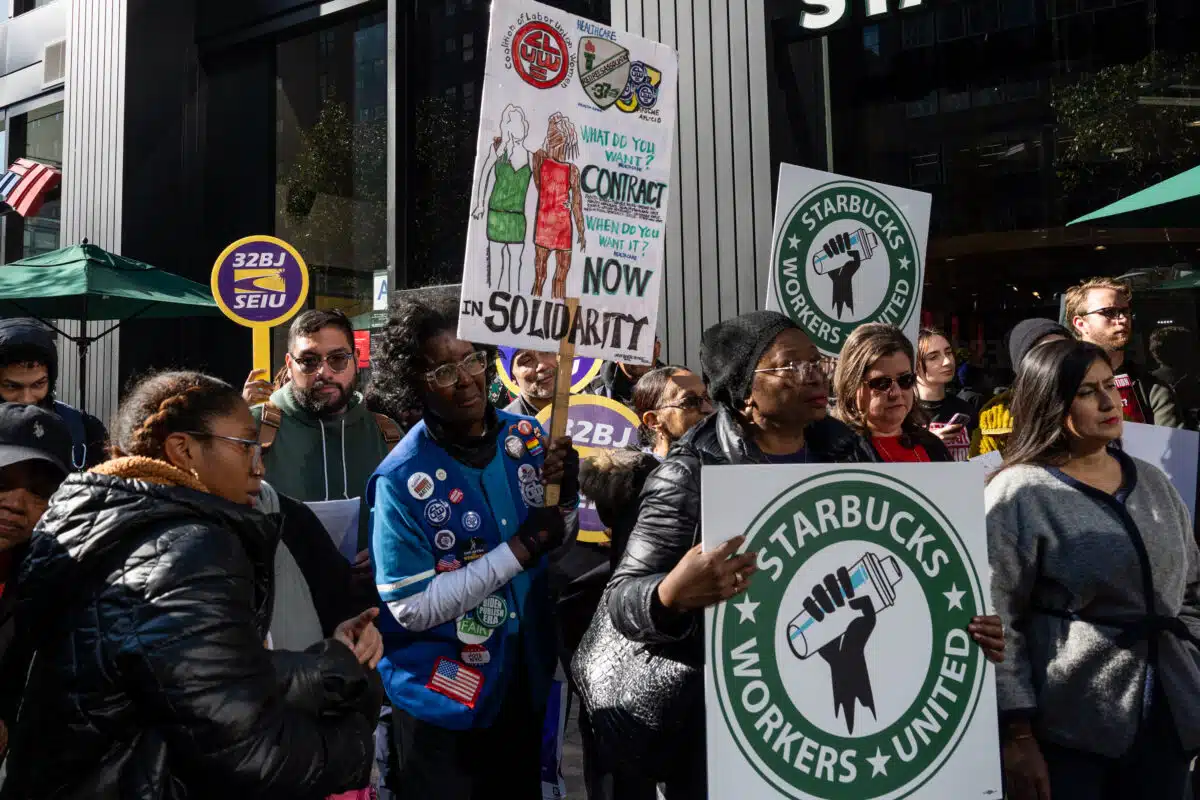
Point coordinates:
pixel 1075 300
pixel 866 345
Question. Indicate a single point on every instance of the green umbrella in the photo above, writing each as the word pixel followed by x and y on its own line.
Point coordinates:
pixel 1186 282
pixel 87 283
pixel 1173 203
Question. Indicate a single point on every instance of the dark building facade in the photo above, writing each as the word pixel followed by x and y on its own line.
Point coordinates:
pixel 348 128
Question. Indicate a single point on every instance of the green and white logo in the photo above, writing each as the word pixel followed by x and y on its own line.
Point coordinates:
pixel 492 612
pixel 824 692
pixel 846 255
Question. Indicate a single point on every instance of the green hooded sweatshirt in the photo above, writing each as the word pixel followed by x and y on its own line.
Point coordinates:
pixel 332 459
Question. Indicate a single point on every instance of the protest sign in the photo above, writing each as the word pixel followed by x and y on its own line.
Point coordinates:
pixel 885 696
pixel 583 371
pixel 846 252
pixel 571 184
pixel 596 423
pixel 260 282
pixel 1173 450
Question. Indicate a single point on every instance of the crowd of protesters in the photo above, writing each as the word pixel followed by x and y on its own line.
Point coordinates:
pixel 386 616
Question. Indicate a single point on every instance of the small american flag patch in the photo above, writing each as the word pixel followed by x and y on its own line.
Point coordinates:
pixel 456 681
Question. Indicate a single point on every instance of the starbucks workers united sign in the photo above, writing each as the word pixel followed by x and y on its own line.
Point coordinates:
pixel 845 671
pixel 846 252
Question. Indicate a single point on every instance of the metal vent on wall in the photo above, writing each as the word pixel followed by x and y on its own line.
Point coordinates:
pixel 54 63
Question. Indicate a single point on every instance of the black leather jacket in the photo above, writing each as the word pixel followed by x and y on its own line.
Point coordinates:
pixel 144 610
pixel 668 522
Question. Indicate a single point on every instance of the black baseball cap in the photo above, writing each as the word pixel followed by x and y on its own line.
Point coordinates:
pixel 31 433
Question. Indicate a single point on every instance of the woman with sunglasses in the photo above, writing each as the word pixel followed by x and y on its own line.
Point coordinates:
pixel 875 385
pixel 669 401
pixel 461 541
pixel 145 601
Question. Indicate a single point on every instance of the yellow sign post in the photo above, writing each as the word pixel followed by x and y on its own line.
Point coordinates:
pixel 260 282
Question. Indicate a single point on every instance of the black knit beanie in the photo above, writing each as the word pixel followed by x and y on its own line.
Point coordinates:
pixel 730 351
pixel 1027 333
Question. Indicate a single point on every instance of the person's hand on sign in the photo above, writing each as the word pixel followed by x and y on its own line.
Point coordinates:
pixel 257 390
pixel 543 531
pixel 361 636
pixel 988 633
pixel 703 579
pixel 1025 770
pixel 562 467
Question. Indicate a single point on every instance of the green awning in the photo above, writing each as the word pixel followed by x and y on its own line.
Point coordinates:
pixel 85 282
pixel 1173 203
pixel 1187 282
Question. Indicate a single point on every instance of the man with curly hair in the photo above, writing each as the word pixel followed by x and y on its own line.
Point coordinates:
pixel 460 544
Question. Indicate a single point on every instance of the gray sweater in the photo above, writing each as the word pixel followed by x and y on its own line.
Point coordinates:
pixel 1055 546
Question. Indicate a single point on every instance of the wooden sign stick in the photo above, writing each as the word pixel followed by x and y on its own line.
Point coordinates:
pixel 562 392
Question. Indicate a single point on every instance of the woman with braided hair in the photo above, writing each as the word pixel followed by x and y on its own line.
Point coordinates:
pixel 145 600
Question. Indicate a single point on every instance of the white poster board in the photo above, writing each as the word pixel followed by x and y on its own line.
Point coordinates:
pixel 846 252
pixel 571 182
pixel 883 697
pixel 1173 450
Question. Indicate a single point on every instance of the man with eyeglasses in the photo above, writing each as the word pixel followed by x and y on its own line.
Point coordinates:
pixel 320 443
pixel 1100 311
pixel 35 449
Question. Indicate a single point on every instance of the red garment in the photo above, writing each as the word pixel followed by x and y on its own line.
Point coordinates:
pixel 553 229
pixel 1130 407
pixel 892 451
pixel 5 568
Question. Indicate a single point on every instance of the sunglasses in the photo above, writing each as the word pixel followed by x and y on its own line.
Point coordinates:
pixel 693 402
pixel 1111 313
pixel 310 364
pixel 883 383
pixel 446 375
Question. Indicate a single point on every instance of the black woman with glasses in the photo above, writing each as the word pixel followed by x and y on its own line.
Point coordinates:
pixel 144 601
pixel 461 543
pixel 875 384
pixel 669 401
pixel 320 441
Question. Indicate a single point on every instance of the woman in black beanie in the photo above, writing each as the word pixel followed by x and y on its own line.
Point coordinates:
pixel 764 377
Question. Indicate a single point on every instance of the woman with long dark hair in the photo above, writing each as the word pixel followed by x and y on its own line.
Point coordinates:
pixel 875 386
pixel 144 604
pixel 1095 574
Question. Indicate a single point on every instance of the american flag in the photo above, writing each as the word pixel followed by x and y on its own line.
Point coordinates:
pixel 456 681
pixel 447 563
pixel 24 187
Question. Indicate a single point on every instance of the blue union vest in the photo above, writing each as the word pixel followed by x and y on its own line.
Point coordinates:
pixel 429 516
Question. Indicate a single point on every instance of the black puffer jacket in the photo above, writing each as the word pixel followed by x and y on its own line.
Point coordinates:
pixel 145 609
pixel 668 521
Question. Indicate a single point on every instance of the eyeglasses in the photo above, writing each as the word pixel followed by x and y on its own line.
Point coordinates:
pixel 446 375
pixel 806 370
pixel 1111 313
pixel 883 383
pixel 337 361
pixel 693 402
pixel 248 445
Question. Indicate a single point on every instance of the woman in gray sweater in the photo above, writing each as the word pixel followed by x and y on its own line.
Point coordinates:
pixel 1096 576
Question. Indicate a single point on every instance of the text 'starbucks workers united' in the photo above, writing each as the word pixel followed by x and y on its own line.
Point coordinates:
pixel 845 670
pixel 846 252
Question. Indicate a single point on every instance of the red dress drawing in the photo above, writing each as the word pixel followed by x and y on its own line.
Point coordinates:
pixel 553 230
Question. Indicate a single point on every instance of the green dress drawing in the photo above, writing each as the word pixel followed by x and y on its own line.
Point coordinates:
pixel 506 207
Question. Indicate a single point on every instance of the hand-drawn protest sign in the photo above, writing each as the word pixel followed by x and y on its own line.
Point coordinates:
pixel 872 693
pixel 596 423
pixel 572 177
pixel 846 252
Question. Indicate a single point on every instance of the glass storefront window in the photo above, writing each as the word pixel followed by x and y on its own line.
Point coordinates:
pixel 37 135
pixel 331 161
pixel 1017 116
